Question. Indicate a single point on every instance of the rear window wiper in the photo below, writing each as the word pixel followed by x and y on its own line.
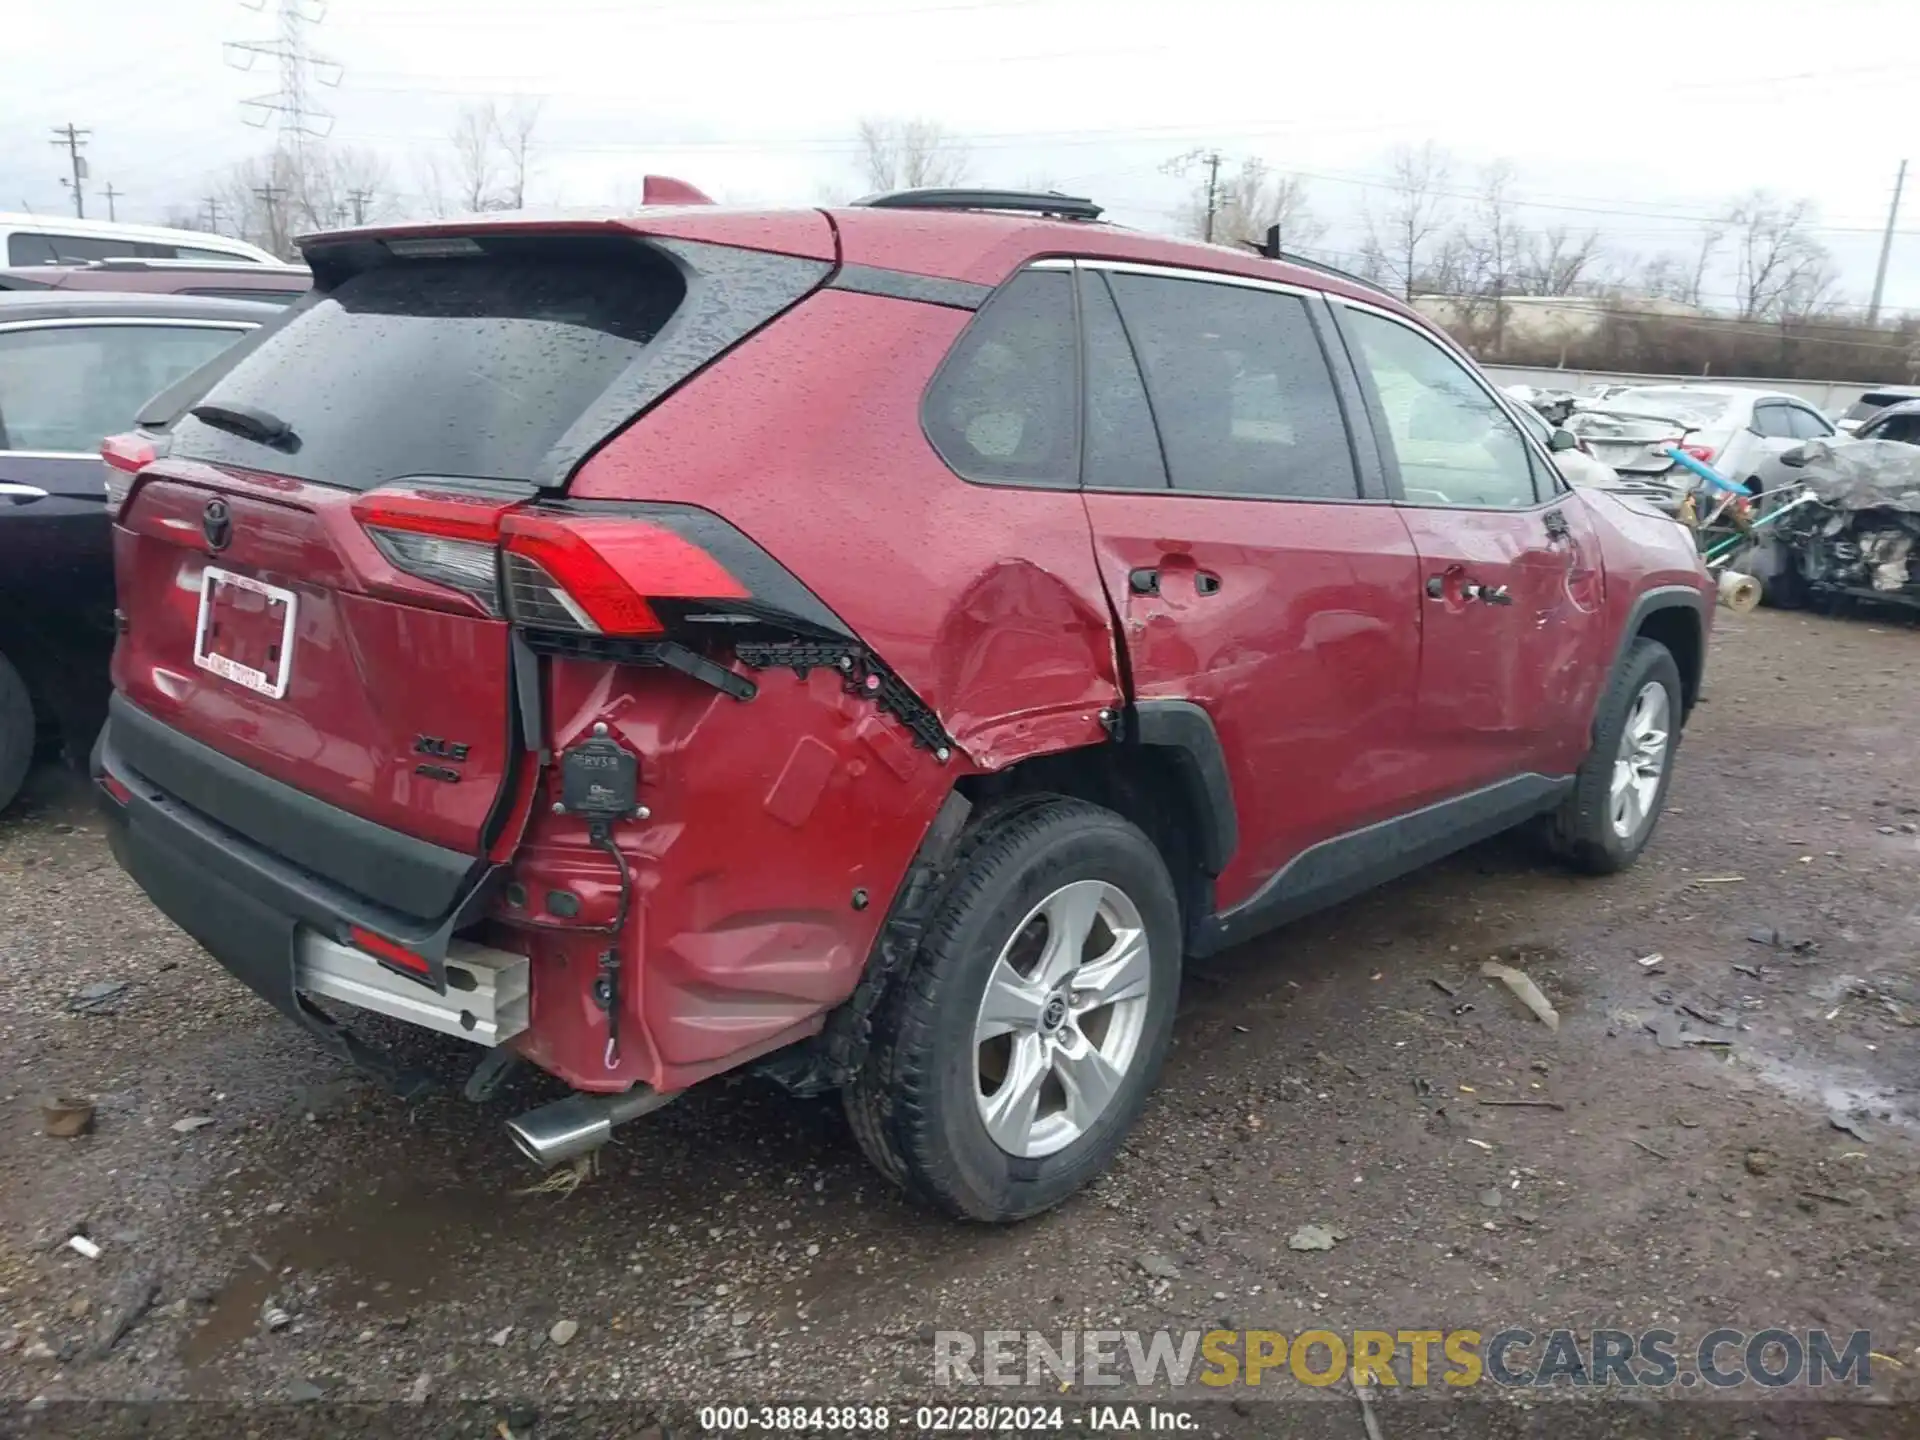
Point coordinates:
pixel 250 424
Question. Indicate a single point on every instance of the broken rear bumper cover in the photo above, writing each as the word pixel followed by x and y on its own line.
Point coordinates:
pixel 281 929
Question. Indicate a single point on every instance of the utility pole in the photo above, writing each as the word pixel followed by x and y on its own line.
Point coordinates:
pixel 359 200
pixel 1886 247
pixel 212 202
pixel 270 196
pixel 112 195
pixel 74 140
pixel 1213 160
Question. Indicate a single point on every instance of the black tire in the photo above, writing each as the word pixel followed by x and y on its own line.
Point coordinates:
pixel 1583 829
pixel 913 1107
pixel 17 732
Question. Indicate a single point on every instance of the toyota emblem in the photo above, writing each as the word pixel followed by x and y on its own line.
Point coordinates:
pixel 216 523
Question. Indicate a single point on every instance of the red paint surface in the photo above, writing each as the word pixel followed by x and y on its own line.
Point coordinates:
pixel 1305 657
pixel 355 702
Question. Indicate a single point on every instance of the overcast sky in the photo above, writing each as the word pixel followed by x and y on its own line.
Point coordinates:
pixel 1638 123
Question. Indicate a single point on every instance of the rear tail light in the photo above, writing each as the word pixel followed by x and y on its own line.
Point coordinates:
pixel 598 574
pixel 578 574
pixel 126 457
pixel 1703 453
pixel 443 536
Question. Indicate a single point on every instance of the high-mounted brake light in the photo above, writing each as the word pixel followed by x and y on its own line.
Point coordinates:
pixel 597 573
pixel 126 456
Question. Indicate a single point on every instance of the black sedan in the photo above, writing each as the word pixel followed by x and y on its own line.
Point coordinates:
pixel 74 368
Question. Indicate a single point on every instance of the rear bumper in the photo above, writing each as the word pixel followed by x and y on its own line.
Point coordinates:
pixel 254 911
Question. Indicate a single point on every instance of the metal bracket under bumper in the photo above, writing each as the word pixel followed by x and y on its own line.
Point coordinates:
pixel 487 999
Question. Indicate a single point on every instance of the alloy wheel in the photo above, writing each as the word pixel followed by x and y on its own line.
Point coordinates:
pixel 1641 760
pixel 1062 1018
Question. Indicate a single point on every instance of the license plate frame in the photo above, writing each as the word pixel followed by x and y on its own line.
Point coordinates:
pixel 274 686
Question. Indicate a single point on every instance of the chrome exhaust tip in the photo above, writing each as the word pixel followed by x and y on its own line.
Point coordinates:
pixel 578 1124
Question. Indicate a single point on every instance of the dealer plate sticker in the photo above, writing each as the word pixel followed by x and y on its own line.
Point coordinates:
pixel 245 631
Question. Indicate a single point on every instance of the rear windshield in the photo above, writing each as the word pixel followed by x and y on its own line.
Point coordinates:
pixel 1873 402
pixel 508 364
pixel 1695 405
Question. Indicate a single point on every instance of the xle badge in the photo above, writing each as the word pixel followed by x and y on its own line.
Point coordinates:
pixel 433 745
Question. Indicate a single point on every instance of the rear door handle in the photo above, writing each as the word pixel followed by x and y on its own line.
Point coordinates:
pixel 1144 581
pixel 1206 582
pixel 1486 594
pixel 21 494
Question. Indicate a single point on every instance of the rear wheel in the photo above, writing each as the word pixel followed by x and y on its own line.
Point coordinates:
pixel 1018 1049
pixel 16 732
pixel 1608 819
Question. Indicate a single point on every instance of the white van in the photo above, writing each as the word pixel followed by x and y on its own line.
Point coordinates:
pixel 56 240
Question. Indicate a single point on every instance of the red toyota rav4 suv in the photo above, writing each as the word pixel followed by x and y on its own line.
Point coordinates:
pixel 878 644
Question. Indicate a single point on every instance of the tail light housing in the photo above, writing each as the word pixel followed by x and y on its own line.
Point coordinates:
pixel 445 536
pixel 125 456
pixel 597 574
pixel 580 574
pixel 1703 453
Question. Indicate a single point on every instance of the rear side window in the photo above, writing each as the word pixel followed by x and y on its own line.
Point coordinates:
pixel 510 363
pixel 72 249
pixel 1773 421
pixel 1002 408
pixel 1240 388
pixel 1123 452
pixel 65 388
pixel 1806 425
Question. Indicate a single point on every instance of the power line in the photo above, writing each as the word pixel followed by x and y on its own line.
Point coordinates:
pixel 74 140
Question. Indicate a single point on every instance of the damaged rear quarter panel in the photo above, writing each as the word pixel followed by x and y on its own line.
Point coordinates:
pixel 768 815
pixel 984 599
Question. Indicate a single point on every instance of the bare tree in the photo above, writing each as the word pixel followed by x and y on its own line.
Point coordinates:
pixel 488 161
pixel 273 198
pixel 1485 255
pixel 473 159
pixel 1781 272
pixel 1402 232
pixel 513 133
pixel 910 155
pixel 1250 201
pixel 1555 261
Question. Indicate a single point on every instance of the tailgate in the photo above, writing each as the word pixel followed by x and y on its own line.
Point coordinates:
pixel 311 576
pixel 273 651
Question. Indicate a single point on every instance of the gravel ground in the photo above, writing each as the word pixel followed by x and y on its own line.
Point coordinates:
pixel 735 1246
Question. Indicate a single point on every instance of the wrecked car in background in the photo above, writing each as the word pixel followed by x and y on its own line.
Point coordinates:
pixel 1733 429
pixel 1852 531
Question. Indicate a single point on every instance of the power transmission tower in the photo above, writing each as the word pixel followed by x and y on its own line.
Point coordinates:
pixel 1886 247
pixel 300 118
pixel 112 195
pixel 1212 160
pixel 74 140
pixel 359 200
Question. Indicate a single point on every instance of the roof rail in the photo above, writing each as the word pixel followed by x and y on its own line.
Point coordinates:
pixel 1270 248
pixel 1050 202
